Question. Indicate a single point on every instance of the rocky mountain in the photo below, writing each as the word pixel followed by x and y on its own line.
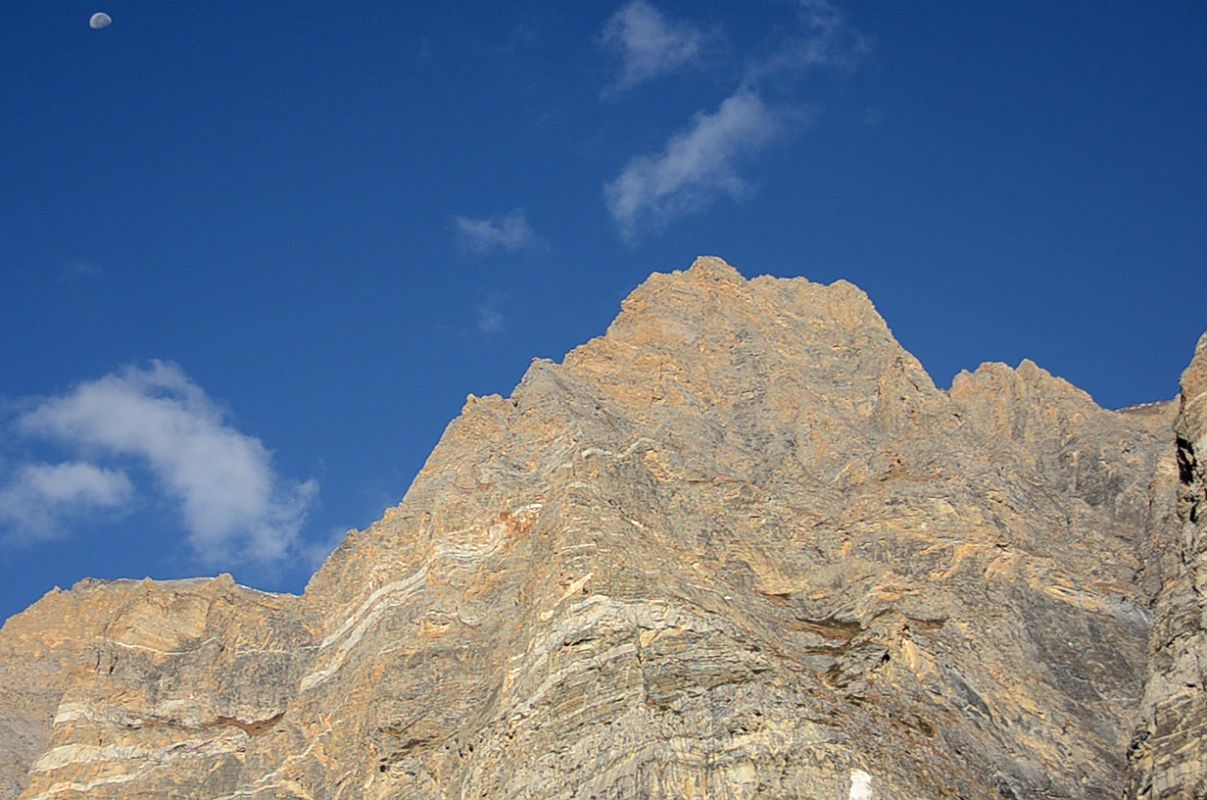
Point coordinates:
pixel 738 547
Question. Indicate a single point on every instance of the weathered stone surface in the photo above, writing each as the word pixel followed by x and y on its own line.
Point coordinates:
pixel 740 546
pixel 1168 755
pixel 143 689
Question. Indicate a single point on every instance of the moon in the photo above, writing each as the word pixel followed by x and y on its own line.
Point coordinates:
pixel 99 20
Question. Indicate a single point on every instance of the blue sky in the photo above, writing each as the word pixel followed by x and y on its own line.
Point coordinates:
pixel 254 255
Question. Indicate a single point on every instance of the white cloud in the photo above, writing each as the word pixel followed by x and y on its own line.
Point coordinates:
pixel 701 162
pixel 488 318
pixel 648 45
pixel 233 504
pixel 509 232
pixel 39 498
pixel 826 39
pixel 695 166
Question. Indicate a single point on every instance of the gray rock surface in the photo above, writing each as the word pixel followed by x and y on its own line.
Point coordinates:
pixel 1168 754
pixel 740 546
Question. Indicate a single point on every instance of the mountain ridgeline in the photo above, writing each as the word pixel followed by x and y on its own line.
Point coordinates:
pixel 738 547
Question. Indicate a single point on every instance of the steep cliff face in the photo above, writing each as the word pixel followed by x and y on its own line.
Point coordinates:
pixel 142 688
pixel 1168 756
pixel 740 546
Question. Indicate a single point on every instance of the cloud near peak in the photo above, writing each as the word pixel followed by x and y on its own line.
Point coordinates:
pixel 233 505
pixel 705 160
pixel 696 165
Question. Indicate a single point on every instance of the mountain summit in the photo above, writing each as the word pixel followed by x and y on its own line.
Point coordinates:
pixel 740 546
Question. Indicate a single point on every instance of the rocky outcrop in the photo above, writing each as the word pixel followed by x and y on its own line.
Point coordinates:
pixel 142 688
pixel 740 546
pixel 1168 755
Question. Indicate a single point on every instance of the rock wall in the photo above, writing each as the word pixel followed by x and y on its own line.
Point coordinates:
pixel 739 547
pixel 1168 754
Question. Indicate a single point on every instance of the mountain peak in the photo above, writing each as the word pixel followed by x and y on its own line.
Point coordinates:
pixel 714 268
pixel 740 545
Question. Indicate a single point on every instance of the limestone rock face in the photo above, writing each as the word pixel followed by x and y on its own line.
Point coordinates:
pixel 1168 756
pixel 739 547
pixel 143 688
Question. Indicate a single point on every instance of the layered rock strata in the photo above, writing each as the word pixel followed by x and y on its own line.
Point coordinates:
pixel 739 547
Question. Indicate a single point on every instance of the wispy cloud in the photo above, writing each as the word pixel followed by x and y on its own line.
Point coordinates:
pixel 703 161
pixel 695 166
pixel 80 268
pixel 647 44
pixel 824 39
pixel 488 318
pixel 39 499
pixel 509 232
pixel 234 506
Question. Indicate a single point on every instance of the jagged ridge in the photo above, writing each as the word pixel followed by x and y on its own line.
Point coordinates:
pixel 740 546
